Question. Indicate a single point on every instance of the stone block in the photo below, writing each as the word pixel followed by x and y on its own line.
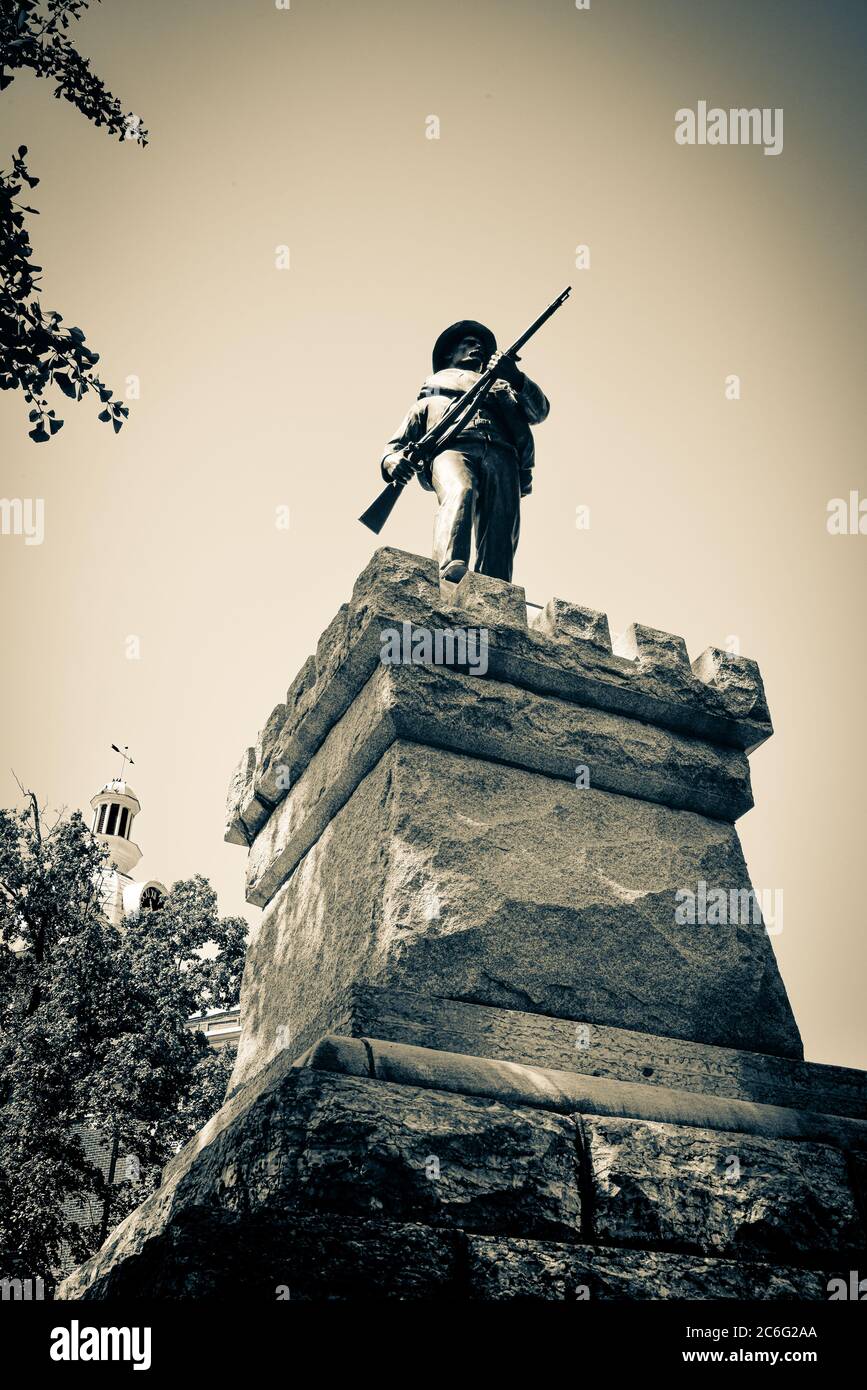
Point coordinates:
pixel 302 1145
pixel 245 813
pixel 453 876
pixel 736 681
pixel 668 1187
pixel 491 603
pixel 579 625
pixel 569 1092
pixel 539 1271
pixel 658 651
pixel 536 1040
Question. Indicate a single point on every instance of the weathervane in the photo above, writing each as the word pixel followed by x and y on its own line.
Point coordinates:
pixel 124 753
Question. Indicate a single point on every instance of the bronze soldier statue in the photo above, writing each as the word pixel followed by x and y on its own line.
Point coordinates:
pixel 481 473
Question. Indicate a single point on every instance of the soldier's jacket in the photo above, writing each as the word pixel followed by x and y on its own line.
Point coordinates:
pixel 505 417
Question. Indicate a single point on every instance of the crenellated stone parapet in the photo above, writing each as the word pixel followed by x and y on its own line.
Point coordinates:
pixel 565 653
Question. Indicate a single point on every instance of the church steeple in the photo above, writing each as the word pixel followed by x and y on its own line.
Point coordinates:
pixel 115 807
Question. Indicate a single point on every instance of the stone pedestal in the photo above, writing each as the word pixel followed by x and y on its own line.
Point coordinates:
pixel 486 1053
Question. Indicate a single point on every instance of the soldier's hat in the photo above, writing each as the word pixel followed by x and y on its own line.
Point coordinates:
pixel 447 340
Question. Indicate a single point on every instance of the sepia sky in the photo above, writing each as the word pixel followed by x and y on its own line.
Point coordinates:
pixel 262 388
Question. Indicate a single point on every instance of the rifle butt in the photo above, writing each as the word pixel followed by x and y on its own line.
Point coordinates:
pixel 381 508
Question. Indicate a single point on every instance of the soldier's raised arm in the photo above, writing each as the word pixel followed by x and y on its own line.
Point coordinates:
pixel 531 397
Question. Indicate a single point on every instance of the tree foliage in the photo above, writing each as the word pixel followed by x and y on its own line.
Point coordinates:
pixel 34 35
pixel 35 350
pixel 94 1035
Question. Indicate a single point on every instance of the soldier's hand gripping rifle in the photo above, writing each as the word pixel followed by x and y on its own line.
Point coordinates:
pixel 453 421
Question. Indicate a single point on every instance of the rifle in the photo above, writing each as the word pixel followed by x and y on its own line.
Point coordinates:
pixel 453 421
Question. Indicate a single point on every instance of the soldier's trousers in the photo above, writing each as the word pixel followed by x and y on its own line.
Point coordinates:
pixel 478 489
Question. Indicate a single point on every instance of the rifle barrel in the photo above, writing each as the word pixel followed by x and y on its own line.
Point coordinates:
pixel 543 318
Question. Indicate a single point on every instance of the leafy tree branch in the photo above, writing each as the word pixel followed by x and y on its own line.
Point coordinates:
pixel 36 351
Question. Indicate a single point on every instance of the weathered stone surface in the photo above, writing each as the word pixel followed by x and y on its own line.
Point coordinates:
pixel 245 814
pixel 393 579
pixel 570 620
pixel 659 652
pixel 305 1142
pixel 510 1035
pixel 366 1148
pixel 668 1187
pixel 542 1271
pixel 496 722
pixel 311 1257
pixel 359 1169
pixel 857 1166
pixel 491 603
pixel 721 699
pixel 320 788
pixel 569 1092
pixel 738 684
pixel 453 876
pixel 295 1255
